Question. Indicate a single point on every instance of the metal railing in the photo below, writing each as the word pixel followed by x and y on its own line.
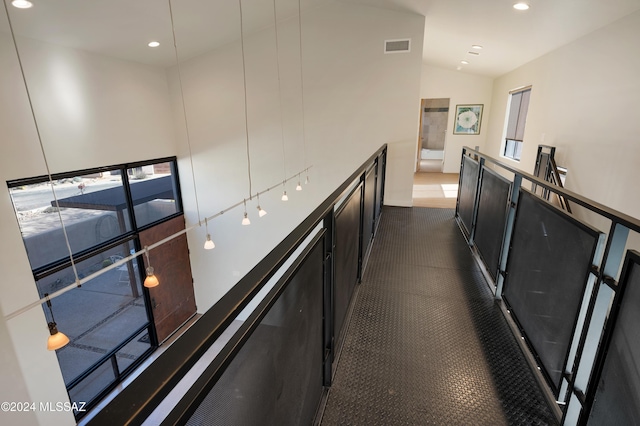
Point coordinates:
pixel 143 395
pixel 491 186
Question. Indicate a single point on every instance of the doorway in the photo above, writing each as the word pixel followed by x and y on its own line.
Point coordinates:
pixel 434 116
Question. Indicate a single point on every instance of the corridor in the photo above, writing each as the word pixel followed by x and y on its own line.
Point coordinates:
pixel 426 343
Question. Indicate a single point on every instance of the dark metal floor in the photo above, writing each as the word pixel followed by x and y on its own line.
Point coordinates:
pixel 426 342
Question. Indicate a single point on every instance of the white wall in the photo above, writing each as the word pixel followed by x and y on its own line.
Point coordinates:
pixel 584 102
pixel 460 88
pixel 356 99
pixel 91 111
pixel 96 111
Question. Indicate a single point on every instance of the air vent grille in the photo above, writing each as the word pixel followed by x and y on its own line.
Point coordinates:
pixel 397 46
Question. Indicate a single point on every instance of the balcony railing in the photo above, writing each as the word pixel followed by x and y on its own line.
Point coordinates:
pixel 558 276
pixel 277 359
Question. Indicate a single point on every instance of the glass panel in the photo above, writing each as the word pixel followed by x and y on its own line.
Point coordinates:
pixel 132 350
pixel 514 109
pixel 93 384
pixel 98 316
pixel 153 190
pixel 91 207
pixel 509 148
pixel 517 150
pixel 616 399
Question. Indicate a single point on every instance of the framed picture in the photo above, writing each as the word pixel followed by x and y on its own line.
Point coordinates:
pixel 468 119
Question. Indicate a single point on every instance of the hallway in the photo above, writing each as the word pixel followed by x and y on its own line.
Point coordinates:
pixel 426 344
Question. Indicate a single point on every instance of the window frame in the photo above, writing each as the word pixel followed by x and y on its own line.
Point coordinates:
pixel 132 237
pixel 514 144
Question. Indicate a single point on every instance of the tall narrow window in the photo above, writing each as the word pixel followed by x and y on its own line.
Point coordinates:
pixel 518 107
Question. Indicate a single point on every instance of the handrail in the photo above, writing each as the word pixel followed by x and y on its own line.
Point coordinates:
pixel 612 214
pixel 137 401
pixel 556 179
pixel 576 393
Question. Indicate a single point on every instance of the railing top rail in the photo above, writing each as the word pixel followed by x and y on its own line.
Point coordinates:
pixel 614 215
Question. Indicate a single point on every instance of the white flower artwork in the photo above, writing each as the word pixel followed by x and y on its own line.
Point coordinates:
pixel 468 118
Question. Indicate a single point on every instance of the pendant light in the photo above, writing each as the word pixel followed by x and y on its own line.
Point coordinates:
pixel 151 280
pixel 208 245
pixel 261 211
pixel 298 187
pixel 245 220
pixel 56 339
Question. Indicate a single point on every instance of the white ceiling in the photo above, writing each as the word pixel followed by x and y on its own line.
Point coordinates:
pixel 510 38
pixel 121 28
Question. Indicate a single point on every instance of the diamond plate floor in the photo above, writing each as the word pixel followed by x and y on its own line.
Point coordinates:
pixel 426 344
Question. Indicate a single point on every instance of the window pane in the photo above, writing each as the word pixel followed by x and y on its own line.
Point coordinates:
pixel 522 116
pixel 91 207
pixel 509 148
pixel 512 120
pixel 153 190
pixel 93 384
pixel 517 150
pixel 132 351
pixel 98 316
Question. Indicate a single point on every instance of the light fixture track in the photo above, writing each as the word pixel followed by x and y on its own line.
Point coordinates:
pixel 133 256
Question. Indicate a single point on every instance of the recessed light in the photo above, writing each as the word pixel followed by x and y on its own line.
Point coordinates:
pixel 476 46
pixel 22 4
pixel 459 68
pixel 473 53
pixel 464 62
pixel 153 44
pixel 521 6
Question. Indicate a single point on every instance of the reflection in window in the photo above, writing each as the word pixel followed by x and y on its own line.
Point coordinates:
pixel 153 191
pixel 88 206
pixel 100 315
pixel 106 319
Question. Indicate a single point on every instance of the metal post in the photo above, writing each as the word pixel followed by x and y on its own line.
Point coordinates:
pixel 328 296
pixel 508 233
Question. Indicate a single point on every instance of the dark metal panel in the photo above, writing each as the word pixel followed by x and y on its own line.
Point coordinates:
pixel 551 254
pixel 468 189
pixel 276 378
pixel 598 208
pixel 492 218
pixel 368 212
pixel 379 181
pixel 347 226
pixel 617 397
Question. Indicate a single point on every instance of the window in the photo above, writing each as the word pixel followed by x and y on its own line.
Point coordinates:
pixel 518 107
pixel 108 319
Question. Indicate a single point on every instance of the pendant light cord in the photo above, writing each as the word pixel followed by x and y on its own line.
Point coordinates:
pixel 304 133
pixel 42 150
pixel 284 160
pixel 184 112
pixel 246 112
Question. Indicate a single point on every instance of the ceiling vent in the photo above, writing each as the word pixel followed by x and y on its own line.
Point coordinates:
pixel 397 46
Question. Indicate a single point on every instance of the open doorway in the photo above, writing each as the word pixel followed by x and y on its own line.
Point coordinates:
pixel 434 115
